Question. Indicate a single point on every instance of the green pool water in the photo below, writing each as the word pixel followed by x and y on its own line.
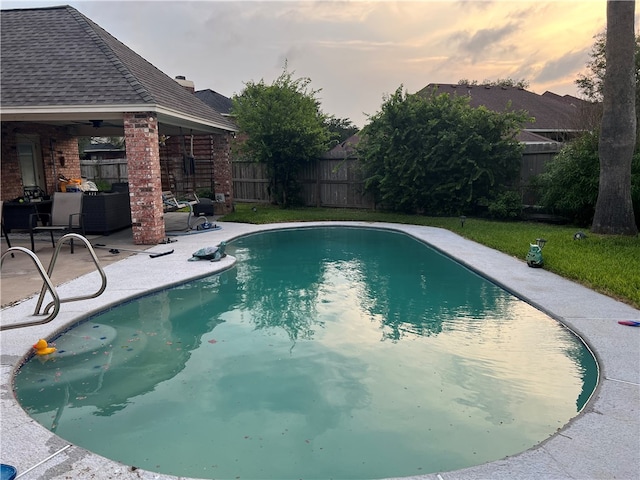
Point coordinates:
pixel 337 353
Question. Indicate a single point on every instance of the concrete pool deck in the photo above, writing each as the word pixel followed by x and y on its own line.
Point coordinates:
pixel 602 442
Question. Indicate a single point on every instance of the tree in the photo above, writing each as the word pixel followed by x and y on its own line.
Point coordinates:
pixel 439 155
pixel 341 128
pixel 284 128
pixel 500 82
pixel 569 185
pixel 614 207
pixel 590 83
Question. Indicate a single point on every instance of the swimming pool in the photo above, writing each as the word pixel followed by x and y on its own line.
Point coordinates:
pixel 355 353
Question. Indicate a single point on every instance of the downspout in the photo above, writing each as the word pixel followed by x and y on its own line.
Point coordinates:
pixel 53 161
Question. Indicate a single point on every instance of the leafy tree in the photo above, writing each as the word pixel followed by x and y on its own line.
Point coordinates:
pixel 590 83
pixel 341 128
pixel 500 82
pixel 614 207
pixel 569 185
pixel 439 155
pixel 284 128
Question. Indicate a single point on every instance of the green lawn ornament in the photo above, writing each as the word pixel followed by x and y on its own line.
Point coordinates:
pixel 213 254
pixel 534 257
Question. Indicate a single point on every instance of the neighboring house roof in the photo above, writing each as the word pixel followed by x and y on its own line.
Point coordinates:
pixel 343 150
pixel 552 113
pixel 57 60
pixel 218 102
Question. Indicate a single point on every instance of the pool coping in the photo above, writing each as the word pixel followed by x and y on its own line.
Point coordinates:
pixel 603 441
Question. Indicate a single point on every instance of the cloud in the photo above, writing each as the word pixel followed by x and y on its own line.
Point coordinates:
pixel 479 44
pixel 558 69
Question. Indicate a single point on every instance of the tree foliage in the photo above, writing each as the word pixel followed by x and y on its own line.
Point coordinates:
pixel 436 154
pixel 500 82
pixel 569 185
pixel 590 83
pixel 341 129
pixel 284 128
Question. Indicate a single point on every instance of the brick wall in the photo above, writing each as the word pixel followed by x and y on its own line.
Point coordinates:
pixel 145 188
pixel 58 151
pixel 222 168
pixel 210 170
pixel 10 172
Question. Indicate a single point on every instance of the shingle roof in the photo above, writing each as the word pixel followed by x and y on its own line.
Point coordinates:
pixel 551 112
pixel 346 149
pixel 58 57
pixel 215 100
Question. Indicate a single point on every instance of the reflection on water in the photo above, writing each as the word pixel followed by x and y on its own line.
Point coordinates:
pixel 325 353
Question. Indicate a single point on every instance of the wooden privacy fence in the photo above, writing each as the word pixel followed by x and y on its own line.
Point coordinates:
pixel 339 183
pixel 112 170
pixel 534 160
pixel 324 183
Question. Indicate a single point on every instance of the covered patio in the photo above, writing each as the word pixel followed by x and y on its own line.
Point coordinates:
pixel 64 77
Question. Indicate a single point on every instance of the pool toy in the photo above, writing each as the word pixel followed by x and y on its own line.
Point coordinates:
pixel 210 253
pixel 43 348
pixel 534 257
pixel 631 323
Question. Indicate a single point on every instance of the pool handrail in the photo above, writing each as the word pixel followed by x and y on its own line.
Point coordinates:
pixel 46 285
pixel 103 276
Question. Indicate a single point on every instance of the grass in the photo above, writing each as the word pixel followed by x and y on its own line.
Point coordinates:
pixel 606 264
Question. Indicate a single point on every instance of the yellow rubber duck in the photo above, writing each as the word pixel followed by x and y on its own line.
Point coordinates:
pixel 43 348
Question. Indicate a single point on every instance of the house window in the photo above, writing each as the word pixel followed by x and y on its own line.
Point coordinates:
pixel 30 161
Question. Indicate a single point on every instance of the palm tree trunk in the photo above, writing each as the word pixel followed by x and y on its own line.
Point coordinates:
pixel 614 207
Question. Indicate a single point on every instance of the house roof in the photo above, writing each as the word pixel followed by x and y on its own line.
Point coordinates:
pixel 345 149
pixel 59 66
pixel 552 113
pixel 216 101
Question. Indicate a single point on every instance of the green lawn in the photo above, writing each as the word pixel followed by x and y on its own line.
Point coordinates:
pixel 607 264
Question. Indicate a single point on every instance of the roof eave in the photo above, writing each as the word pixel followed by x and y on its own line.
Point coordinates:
pixel 57 113
pixel 572 130
pixel 168 116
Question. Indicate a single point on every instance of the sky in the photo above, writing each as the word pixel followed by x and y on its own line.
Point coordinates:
pixel 355 52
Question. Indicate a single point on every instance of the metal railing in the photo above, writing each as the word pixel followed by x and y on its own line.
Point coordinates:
pixel 53 307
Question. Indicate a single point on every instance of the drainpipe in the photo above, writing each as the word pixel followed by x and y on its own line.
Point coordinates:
pixel 53 161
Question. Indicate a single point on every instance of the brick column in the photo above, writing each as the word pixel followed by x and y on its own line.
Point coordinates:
pixel 145 189
pixel 222 171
